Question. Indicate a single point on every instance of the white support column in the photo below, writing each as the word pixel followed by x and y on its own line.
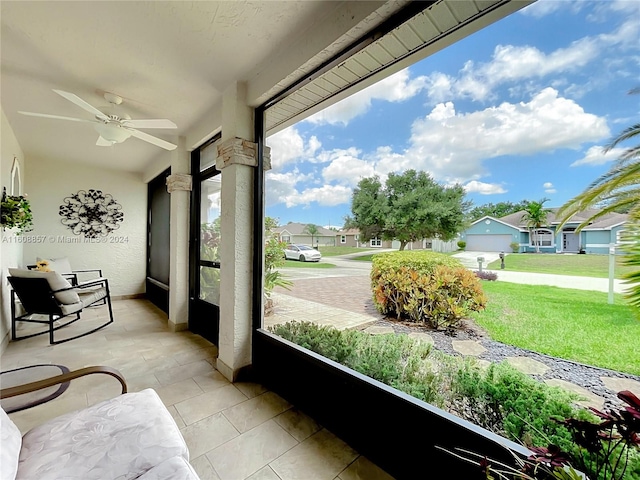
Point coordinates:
pixel 179 186
pixel 237 161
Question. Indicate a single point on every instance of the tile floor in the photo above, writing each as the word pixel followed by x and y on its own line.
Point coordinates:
pixel 234 431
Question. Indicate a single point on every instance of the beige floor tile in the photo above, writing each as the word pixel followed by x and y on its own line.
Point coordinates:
pixel 178 392
pixel 363 469
pixel 182 372
pixel 203 468
pixel 207 434
pixel 320 457
pixel 256 410
pixel 181 368
pixel 264 474
pixel 208 403
pixel 176 416
pixel 190 356
pixel 135 384
pixel 212 380
pixel 251 451
pixel 250 389
pixel 299 425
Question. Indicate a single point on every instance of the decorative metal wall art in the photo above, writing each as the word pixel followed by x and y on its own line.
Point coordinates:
pixel 92 214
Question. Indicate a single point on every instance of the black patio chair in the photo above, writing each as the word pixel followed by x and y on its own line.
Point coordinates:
pixel 49 295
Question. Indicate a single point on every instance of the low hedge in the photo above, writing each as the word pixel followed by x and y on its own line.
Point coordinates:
pixel 499 398
pixel 425 287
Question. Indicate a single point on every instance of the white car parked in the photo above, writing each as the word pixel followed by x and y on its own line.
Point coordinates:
pixel 302 253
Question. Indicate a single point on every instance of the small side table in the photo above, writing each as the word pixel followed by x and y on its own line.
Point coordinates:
pixel 32 373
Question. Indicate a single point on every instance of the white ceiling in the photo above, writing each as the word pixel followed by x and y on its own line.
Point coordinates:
pixel 166 59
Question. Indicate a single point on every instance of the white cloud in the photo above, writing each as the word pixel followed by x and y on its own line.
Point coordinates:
pixel 510 64
pixel 281 187
pixel 347 170
pixel 327 196
pixel 452 146
pixel 515 64
pixel 395 88
pixel 483 188
pixel 596 156
pixel 288 146
pixel 541 8
pixel 548 187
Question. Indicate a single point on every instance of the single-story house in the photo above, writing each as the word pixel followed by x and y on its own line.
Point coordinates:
pixel 297 233
pixel 491 234
pixel 350 237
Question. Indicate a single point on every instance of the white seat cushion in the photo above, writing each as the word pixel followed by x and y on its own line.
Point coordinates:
pixel 11 441
pixel 121 438
pixel 56 282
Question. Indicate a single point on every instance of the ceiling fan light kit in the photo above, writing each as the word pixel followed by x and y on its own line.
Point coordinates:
pixel 112 133
pixel 113 128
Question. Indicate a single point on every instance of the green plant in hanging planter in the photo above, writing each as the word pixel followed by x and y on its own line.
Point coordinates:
pixel 15 212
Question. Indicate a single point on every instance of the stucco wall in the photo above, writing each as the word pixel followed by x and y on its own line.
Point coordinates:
pixel 122 254
pixel 10 251
pixel 493 227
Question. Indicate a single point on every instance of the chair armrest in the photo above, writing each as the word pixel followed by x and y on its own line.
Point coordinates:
pixel 91 283
pixel 88 270
pixel 65 377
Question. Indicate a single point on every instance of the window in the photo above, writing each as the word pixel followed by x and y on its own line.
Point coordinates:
pixel 541 237
pixel 375 242
pixel 356 237
pixel 285 238
pixel 622 237
pixel 343 239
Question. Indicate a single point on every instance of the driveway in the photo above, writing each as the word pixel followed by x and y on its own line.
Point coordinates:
pixel 470 259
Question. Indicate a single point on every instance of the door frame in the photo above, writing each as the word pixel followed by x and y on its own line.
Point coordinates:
pixel 156 291
pixel 204 317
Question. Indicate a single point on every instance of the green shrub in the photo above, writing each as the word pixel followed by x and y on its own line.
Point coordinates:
pixel 425 287
pixel 462 244
pixel 500 398
pixel 515 247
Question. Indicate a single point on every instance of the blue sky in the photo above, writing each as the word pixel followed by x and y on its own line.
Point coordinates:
pixel 517 111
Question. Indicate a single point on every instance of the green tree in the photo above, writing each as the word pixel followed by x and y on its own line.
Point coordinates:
pixel 536 217
pixel 409 207
pixel 312 230
pixel 496 210
pixel 617 190
pixel 273 258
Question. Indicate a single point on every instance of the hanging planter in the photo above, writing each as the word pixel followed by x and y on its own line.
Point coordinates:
pixel 15 212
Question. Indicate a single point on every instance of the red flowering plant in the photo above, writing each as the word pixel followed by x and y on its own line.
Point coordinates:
pixel 604 449
pixel 606 446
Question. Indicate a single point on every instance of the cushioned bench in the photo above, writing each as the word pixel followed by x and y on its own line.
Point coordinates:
pixel 130 436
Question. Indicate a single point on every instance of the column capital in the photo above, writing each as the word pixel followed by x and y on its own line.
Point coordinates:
pixel 179 181
pixel 238 151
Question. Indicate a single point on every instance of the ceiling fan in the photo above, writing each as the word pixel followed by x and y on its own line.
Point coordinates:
pixel 113 128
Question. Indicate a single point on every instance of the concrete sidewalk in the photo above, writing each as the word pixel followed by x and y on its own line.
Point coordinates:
pixel 562 281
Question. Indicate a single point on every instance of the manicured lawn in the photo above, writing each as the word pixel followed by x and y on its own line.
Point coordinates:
pixel 565 264
pixel 364 258
pixel 572 324
pixel 335 251
pixel 297 264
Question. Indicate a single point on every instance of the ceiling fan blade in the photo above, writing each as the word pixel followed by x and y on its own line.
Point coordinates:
pixel 103 143
pixel 57 117
pixel 81 103
pixel 151 139
pixel 150 123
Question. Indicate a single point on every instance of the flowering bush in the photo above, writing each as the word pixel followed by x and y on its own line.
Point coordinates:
pixel 15 212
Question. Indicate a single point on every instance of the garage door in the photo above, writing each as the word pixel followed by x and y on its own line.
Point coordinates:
pixel 489 243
